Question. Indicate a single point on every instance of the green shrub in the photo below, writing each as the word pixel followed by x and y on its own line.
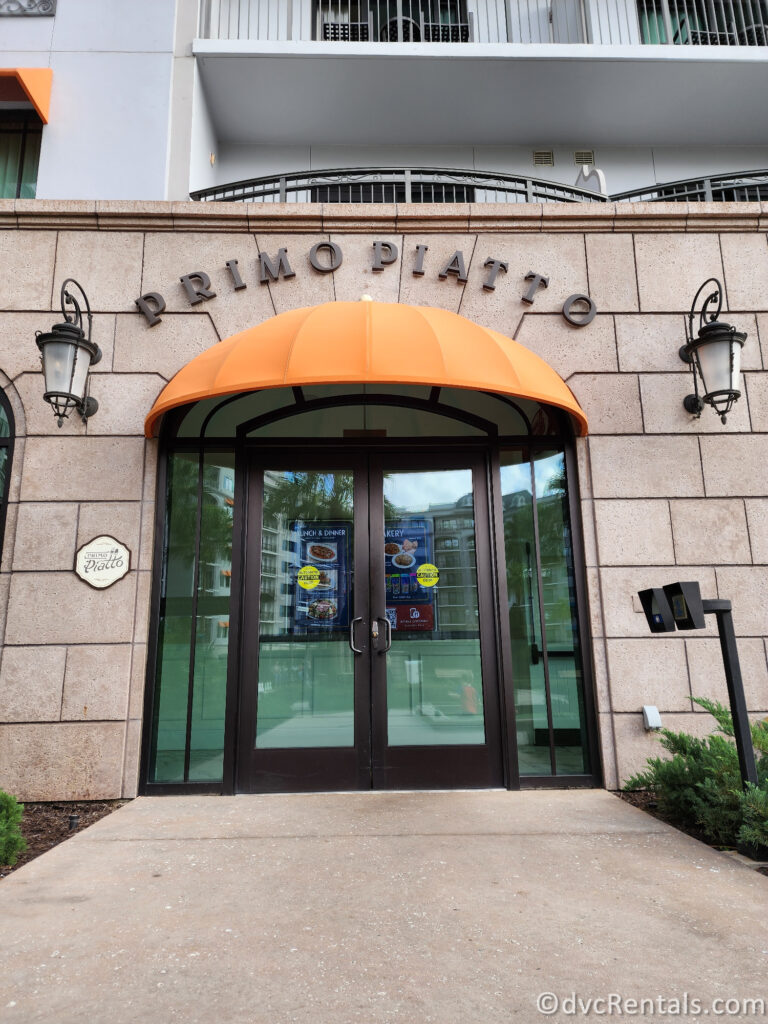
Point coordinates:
pixel 12 843
pixel 699 787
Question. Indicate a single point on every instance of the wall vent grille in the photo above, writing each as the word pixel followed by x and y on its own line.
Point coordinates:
pixel 584 156
pixel 543 158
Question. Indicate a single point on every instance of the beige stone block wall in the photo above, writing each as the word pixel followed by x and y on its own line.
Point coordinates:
pixel 664 496
pixel 678 497
pixel 647 522
pixel 65 760
pixel 69 706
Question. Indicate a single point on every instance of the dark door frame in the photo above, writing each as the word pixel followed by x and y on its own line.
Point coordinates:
pixel 467 766
pixel 371 763
pixel 295 769
pixel 490 448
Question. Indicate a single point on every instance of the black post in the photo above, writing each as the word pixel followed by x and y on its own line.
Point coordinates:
pixel 741 729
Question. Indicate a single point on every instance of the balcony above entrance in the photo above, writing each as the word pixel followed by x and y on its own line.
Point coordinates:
pixel 367 343
pixel 412 72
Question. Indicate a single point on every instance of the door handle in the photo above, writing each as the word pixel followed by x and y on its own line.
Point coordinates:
pixel 357 650
pixel 388 630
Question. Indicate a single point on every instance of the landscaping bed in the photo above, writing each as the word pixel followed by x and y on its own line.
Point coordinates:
pixel 46 825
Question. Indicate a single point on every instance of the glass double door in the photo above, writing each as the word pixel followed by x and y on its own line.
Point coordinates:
pixel 368 654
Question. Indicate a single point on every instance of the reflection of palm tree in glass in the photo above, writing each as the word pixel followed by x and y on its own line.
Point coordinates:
pixel 555 546
pixel 216 522
pixel 309 496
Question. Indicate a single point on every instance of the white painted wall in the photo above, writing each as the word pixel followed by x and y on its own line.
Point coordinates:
pixel 624 167
pixel 25 35
pixel 107 136
pixel 111 61
pixel 203 174
pixel 673 164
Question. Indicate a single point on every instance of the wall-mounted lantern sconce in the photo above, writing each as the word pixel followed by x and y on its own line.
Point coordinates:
pixel 67 355
pixel 714 356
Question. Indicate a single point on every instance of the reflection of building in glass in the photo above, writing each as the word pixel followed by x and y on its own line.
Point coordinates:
pixel 454 539
pixel 216 553
pixel 546 660
pixel 274 598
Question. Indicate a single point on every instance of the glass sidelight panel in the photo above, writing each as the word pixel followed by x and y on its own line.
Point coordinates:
pixel 434 674
pixel 209 684
pixel 546 659
pixel 560 619
pixel 171 690
pixel 306 672
pixel 531 714
pixel 190 696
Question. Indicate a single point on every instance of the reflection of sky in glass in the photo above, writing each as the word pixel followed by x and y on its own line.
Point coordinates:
pixel 545 469
pixel 417 492
pixel 516 478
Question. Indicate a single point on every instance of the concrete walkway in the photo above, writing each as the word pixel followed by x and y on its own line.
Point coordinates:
pixel 457 908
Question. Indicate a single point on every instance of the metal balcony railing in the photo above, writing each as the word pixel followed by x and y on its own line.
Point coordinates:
pixel 397 185
pixel 749 186
pixel 432 185
pixel 598 22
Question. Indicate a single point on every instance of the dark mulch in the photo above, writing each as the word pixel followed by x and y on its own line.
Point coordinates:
pixel 46 825
pixel 645 801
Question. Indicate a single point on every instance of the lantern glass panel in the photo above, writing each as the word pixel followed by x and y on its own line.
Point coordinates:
pixel 715 366
pixel 58 360
pixel 82 364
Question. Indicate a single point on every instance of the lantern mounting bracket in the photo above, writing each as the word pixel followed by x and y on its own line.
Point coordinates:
pixel 704 314
pixel 75 316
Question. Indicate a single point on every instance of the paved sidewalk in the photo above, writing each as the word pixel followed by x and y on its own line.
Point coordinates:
pixel 457 908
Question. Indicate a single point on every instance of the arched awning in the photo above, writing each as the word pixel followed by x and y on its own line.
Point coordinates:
pixel 367 343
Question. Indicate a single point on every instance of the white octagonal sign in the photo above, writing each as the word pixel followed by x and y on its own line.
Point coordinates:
pixel 102 562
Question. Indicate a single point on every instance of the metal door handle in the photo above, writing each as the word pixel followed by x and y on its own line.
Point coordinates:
pixel 388 627
pixel 357 650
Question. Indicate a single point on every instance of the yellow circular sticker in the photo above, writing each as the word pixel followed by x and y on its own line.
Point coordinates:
pixel 308 577
pixel 427 575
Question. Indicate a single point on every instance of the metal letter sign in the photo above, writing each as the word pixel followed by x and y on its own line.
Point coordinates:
pixel 102 562
pixel 326 257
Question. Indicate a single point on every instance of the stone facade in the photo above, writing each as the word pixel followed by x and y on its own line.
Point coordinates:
pixel 663 496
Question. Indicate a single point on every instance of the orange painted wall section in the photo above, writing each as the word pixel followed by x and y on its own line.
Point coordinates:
pixel 367 343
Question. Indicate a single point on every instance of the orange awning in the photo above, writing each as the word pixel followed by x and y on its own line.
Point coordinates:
pixel 367 343
pixel 34 85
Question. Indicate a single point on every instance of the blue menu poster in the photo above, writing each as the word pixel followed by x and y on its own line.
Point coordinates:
pixel 407 545
pixel 325 607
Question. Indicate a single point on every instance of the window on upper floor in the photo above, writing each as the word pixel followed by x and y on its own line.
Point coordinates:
pixel 20 136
